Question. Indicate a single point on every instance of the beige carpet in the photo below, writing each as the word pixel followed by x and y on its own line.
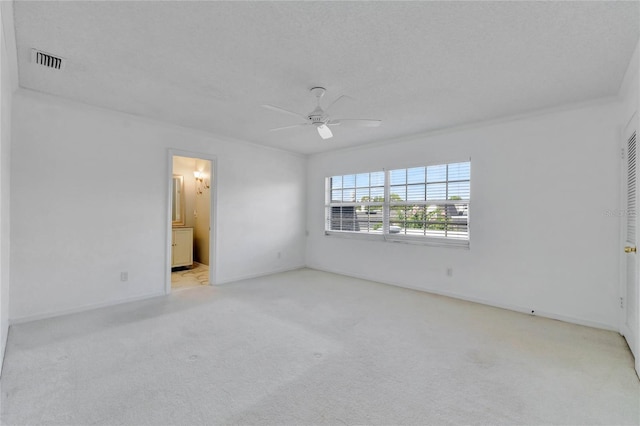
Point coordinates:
pixel 197 275
pixel 307 347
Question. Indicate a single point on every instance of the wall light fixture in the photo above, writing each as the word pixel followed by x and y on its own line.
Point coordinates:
pixel 201 182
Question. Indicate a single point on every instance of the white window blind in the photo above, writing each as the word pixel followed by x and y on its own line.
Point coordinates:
pixel 355 203
pixel 429 203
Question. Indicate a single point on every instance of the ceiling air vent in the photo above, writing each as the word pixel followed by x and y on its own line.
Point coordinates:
pixel 47 60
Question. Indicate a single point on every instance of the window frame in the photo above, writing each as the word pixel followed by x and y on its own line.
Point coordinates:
pixel 429 240
pixel 330 204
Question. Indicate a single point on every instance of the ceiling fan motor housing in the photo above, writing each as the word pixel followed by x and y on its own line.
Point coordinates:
pixel 317 116
pixel 317 119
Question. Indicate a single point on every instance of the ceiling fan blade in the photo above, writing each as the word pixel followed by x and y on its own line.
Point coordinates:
pixel 278 109
pixel 325 132
pixel 356 122
pixel 289 127
pixel 338 99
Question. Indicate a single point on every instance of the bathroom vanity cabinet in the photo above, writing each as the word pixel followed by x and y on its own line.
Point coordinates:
pixel 181 247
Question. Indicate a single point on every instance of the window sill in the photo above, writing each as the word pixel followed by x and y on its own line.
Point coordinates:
pixel 355 235
pixel 432 241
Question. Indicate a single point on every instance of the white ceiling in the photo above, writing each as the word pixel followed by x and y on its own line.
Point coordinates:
pixel 418 66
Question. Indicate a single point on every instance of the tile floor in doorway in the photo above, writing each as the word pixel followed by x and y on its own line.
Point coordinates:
pixel 195 276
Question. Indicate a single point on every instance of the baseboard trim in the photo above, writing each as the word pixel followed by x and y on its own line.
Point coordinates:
pixel 507 306
pixel 46 315
pixel 83 308
pixel 258 275
pixel 4 351
pixel 516 308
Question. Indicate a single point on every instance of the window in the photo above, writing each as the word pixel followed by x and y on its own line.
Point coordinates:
pixel 429 203
pixel 356 203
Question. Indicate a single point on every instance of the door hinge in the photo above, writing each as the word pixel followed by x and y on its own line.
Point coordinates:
pixel 622 303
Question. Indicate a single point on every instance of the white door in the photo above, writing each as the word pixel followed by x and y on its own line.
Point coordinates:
pixel 630 297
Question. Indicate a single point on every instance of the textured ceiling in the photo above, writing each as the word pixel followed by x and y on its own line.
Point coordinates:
pixel 418 66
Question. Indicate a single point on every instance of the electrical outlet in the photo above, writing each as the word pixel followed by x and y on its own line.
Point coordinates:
pixel 449 272
pixel 124 276
pixel 279 254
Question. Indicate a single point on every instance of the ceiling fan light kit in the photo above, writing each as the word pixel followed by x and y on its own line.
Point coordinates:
pixel 319 117
pixel 324 131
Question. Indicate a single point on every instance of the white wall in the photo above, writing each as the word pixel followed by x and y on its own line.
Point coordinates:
pixel 89 200
pixel 630 87
pixel 8 83
pixel 541 238
pixel 202 223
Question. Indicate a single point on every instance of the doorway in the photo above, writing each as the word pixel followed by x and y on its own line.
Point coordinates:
pixel 190 236
pixel 630 285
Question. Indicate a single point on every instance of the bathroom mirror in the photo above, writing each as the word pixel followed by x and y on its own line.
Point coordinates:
pixel 177 203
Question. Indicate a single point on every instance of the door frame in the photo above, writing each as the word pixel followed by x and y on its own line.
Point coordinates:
pixel 213 234
pixel 633 125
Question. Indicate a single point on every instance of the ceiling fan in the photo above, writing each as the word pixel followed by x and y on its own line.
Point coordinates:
pixel 319 117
